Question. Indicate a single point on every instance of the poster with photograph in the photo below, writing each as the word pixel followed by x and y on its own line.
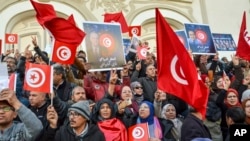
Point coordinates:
pixel 126 45
pixel 104 46
pixel 200 39
pixel 183 38
pixel 224 42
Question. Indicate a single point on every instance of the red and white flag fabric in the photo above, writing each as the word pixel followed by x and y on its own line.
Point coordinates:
pixel 44 12
pixel 11 38
pixel 134 30
pixel 177 73
pixel 138 132
pixel 243 49
pixel 142 52
pixel 12 81
pixel 38 78
pixel 65 31
pixel 63 53
pixel 117 17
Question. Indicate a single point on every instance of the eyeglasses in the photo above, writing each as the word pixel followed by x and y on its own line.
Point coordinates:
pixel 74 114
pixel 138 87
pixel 7 108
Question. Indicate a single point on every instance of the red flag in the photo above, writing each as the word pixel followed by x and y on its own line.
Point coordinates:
pixel 176 71
pixel 44 12
pixel 138 132
pixel 243 49
pixel 71 19
pixel 142 52
pixel 117 17
pixel 134 30
pixel 38 78
pixel 63 53
pixel 12 81
pixel 11 38
pixel 64 31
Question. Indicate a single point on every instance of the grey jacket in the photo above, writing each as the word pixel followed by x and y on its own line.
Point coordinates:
pixel 27 130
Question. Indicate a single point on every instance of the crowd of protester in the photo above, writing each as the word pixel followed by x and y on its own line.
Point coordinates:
pixel 102 105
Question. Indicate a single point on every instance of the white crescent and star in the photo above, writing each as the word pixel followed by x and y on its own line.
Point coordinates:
pixel 201 35
pixel 107 42
pixel 11 38
pixel 143 52
pixel 35 77
pixel 134 30
pixel 138 133
pixel 174 73
pixel 63 53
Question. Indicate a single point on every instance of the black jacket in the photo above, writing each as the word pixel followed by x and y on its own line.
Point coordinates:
pixel 193 127
pixel 149 85
pixel 166 126
pixel 65 133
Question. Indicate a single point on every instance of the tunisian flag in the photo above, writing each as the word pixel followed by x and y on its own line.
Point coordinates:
pixel 63 53
pixel 38 77
pixel 117 17
pixel 11 38
pixel 134 30
pixel 243 49
pixel 138 132
pixel 177 73
pixel 65 31
pixel 142 52
pixel 44 12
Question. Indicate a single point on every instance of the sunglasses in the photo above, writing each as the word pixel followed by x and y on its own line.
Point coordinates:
pixel 7 108
pixel 138 87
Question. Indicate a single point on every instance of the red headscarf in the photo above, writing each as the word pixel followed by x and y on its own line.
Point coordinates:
pixel 113 129
pixel 236 93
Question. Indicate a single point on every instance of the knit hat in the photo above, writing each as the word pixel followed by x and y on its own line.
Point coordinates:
pixel 245 95
pixel 81 107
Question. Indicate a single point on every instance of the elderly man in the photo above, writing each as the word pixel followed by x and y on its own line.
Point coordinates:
pixel 148 83
pixel 79 127
pixel 10 108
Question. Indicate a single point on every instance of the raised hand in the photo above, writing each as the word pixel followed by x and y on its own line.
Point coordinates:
pixel 10 96
pixel 113 76
pixel 52 116
pixel 34 41
pixel 235 60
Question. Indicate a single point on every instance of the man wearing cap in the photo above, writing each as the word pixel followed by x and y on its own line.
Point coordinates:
pixel 10 108
pixel 79 127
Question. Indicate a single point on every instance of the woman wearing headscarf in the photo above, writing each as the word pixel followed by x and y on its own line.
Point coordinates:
pixel 127 107
pixel 146 115
pixel 103 114
pixel 127 110
pixel 171 125
pixel 226 100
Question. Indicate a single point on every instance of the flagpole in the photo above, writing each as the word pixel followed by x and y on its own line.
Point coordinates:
pixel 51 98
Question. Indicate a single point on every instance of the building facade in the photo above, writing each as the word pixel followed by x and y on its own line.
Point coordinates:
pixel 223 16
